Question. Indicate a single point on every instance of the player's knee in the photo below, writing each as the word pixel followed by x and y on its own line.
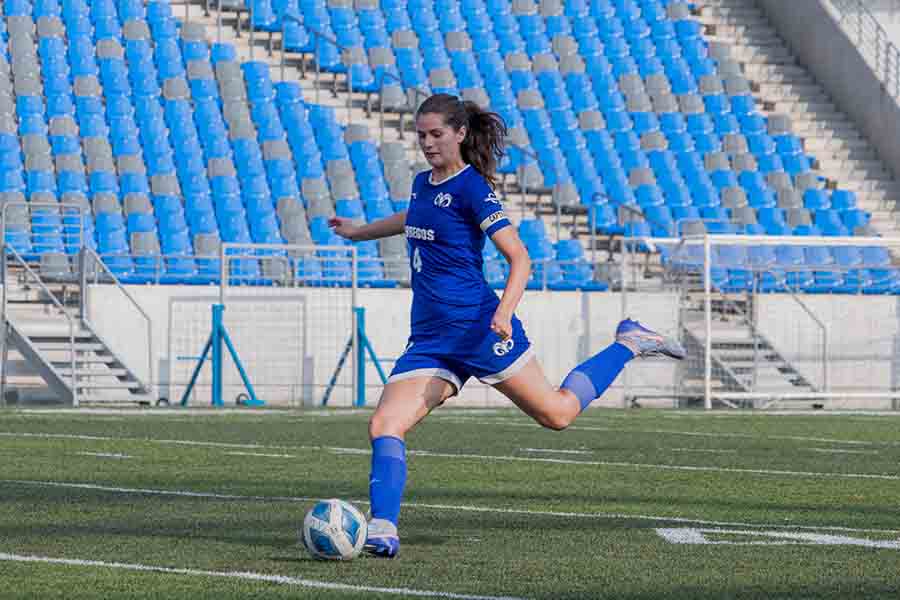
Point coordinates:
pixel 555 421
pixel 380 426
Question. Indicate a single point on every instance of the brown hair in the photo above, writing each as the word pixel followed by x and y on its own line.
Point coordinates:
pixel 485 131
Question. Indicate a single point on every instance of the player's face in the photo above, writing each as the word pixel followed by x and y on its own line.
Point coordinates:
pixel 439 142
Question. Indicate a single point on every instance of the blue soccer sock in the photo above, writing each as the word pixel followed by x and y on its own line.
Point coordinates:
pixel 590 379
pixel 388 477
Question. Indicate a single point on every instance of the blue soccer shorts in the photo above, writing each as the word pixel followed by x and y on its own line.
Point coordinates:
pixel 470 351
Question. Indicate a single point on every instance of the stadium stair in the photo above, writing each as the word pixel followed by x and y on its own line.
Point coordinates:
pixel 39 332
pixel 783 87
pixel 743 359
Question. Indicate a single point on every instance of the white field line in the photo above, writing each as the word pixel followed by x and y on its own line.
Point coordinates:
pixel 708 450
pixel 442 507
pixel 484 457
pixel 555 451
pixel 248 576
pixel 841 451
pixel 262 454
pixel 105 454
pixel 797 438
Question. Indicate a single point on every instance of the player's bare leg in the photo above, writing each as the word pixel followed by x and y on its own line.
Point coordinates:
pixel 403 404
pixel 557 408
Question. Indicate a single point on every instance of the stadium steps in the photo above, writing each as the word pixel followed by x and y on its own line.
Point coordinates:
pixel 844 157
pixel 744 360
pixel 333 93
pixel 41 345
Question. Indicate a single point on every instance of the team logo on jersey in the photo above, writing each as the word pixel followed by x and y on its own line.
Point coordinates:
pixel 492 197
pixel 504 347
pixel 443 200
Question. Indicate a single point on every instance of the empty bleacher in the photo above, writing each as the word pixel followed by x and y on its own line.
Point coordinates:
pixel 618 109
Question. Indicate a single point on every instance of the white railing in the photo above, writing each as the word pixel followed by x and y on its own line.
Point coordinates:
pixel 873 41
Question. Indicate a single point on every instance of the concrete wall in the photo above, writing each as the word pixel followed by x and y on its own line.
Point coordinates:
pixel 821 45
pixel 564 327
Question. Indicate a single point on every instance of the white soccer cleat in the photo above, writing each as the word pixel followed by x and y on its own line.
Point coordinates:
pixel 644 342
pixel 382 539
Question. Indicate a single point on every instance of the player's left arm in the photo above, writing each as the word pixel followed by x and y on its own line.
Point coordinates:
pixel 510 246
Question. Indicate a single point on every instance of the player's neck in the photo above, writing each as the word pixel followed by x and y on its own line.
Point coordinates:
pixel 439 176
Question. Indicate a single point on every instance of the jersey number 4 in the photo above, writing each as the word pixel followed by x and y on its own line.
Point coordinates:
pixel 417 261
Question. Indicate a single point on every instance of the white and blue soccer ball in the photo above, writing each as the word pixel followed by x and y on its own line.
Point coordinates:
pixel 334 530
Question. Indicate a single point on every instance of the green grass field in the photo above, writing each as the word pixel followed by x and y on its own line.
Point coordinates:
pixel 640 504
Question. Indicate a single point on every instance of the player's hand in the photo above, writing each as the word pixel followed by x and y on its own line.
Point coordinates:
pixel 343 226
pixel 501 324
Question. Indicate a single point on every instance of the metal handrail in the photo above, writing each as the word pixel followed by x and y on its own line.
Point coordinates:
pixel 873 41
pixel 89 254
pixel 9 250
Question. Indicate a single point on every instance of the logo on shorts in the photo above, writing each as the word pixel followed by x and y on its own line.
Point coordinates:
pixel 443 200
pixel 504 347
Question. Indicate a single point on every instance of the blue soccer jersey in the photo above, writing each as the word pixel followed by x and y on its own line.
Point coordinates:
pixel 446 225
pixel 451 338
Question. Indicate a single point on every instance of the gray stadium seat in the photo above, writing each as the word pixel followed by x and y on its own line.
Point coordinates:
pixel 338 169
pixel 711 84
pixel 320 207
pixel 69 162
pixel 654 140
pixel 641 176
pixel 106 202
pixel 207 244
pixel 734 197
pixel 193 32
pixel 176 88
pixel 356 133
pixel 276 149
pixel 456 41
pixel 165 185
pixel 200 69
pixel 678 11
pixel 404 38
pixel 744 215
pixel 788 198
pixel 716 161
pixel 131 163
pixel 589 120
pixel 564 45
pixel 50 27
pixel 344 187
pixel 442 78
pixel 639 103
pixel 571 63
pixel 476 95
pixel 39 162
pixel 664 103
pixel 517 61
pixel 737 85
pixel 744 162
pixel 135 30
pixel 530 99
pixel 221 167
pixel 392 152
pixel 314 189
pixel 691 104
pixel 779 180
pixel 136 203
pixel 735 143
pixel 565 194
pixel 109 48
pixel 798 216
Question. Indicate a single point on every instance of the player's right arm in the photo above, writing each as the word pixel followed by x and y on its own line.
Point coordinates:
pixel 382 228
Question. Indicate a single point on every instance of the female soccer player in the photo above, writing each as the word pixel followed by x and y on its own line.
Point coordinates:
pixel 460 328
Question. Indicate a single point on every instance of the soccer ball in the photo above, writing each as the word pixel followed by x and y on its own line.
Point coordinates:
pixel 334 530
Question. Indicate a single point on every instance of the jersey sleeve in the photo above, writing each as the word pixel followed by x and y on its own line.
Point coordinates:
pixel 486 208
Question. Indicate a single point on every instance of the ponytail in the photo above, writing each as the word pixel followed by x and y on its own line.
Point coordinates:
pixel 485 132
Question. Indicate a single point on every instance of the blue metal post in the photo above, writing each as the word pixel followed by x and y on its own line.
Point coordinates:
pixel 217 310
pixel 360 314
